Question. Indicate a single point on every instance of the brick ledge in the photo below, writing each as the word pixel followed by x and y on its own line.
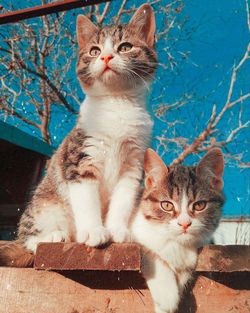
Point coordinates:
pixel 120 257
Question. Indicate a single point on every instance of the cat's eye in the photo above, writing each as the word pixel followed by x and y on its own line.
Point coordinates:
pixel 125 47
pixel 167 206
pixel 95 51
pixel 199 205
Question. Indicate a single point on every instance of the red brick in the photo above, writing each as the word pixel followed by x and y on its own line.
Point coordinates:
pixel 74 256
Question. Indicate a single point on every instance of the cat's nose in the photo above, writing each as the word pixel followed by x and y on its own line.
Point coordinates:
pixel 107 58
pixel 185 225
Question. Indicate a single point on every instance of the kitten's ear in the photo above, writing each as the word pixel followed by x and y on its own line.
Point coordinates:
pixel 155 169
pixel 211 167
pixel 85 29
pixel 143 23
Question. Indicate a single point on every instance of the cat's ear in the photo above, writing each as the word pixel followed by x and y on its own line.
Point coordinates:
pixel 143 23
pixel 85 29
pixel 211 167
pixel 155 169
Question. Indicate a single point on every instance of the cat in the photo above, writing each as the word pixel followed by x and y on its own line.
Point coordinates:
pixel 180 208
pixel 92 182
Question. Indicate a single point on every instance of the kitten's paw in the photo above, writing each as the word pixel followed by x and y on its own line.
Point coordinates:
pixel 166 302
pixel 82 236
pixel 56 236
pixel 31 243
pixel 98 236
pixel 120 234
pixel 159 309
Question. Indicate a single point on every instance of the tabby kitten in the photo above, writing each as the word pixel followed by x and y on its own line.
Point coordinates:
pixel 93 178
pixel 180 208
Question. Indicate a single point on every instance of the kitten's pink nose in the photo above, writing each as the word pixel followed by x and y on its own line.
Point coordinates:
pixel 107 58
pixel 185 225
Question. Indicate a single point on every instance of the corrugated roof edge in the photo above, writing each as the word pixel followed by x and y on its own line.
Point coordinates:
pixel 20 138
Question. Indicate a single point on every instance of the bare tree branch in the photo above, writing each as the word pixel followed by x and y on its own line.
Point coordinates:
pixel 199 140
pixel 21 117
pixel 204 141
pixel 104 13
pixel 248 15
pixel 228 103
pixel 43 77
pixel 117 19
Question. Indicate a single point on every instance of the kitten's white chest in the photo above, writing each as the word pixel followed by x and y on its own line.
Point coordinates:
pixel 111 124
pixel 111 161
pixel 156 238
pixel 116 118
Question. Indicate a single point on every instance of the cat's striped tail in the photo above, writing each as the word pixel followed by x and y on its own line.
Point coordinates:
pixel 14 254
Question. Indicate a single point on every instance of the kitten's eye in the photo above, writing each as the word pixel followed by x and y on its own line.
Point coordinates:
pixel 199 205
pixel 125 47
pixel 167 206
pixel 95 51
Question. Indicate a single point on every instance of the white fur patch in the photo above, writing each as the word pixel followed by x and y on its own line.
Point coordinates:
pixel 109 122
pixel 162 284
pixel 179 257
pixel 108 47
pixel 86 207
pixel 52 229
pixel 159 239
pixel 121 205
pixel 184 217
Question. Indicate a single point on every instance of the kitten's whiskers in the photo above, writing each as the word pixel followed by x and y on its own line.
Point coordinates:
pixel 143 80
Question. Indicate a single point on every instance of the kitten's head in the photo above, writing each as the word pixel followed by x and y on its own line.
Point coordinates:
pixel 117 58
pixel 185 201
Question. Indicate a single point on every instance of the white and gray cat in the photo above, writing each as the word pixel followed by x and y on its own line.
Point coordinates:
pixel 92 182
pixel 179 210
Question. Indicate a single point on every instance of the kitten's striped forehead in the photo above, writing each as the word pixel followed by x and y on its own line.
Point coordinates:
pixel 182 181
pixel 116 33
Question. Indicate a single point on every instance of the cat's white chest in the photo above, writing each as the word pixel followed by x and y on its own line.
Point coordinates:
pixel 155 238
pixel 110 124
pixel 111 161
pixel 114 118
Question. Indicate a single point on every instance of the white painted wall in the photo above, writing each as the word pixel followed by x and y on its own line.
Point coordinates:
pixel 232 232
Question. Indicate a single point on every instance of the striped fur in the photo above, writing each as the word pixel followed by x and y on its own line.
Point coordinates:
pixel 171 234
pixel 93 179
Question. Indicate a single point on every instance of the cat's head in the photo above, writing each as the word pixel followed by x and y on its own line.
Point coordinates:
pixel 117 58
pixel 185 201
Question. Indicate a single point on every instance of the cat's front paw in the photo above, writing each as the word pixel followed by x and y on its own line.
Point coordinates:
pixel 54 236
pixel 158 309
pixel 97 236
pixel 120 234
pixel 94 237
pixel 82 236
pixel 57 236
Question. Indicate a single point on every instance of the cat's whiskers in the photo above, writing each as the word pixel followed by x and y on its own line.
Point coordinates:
pixel 148 62
pixel 122 70
pixel 143 80
pixel 140 68
pixel 148 74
